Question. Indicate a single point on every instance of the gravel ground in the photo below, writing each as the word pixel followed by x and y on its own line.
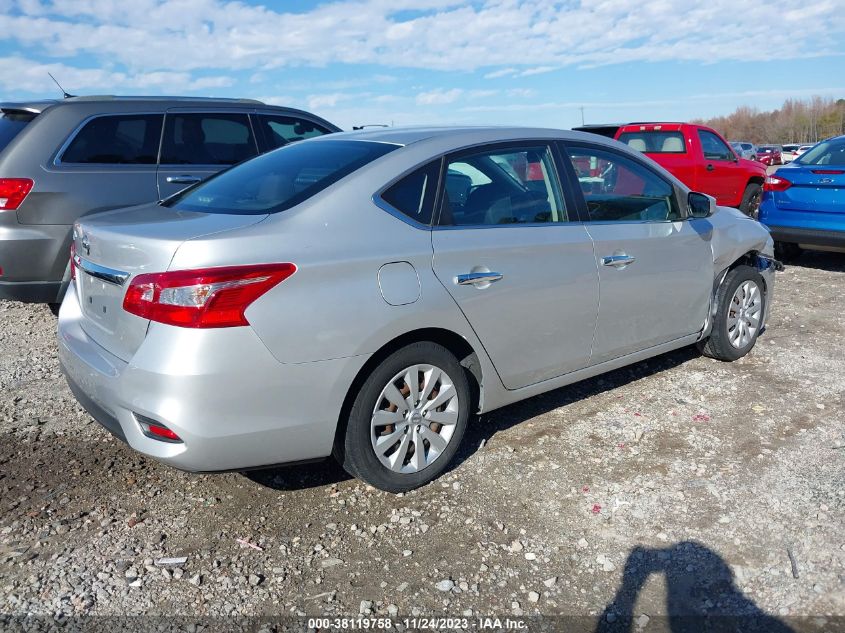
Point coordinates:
pixel 678 485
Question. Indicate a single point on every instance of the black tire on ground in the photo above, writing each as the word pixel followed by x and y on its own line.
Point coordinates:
pixel 718 344
pixel 787 251
pixel 750 204
pixel 354 449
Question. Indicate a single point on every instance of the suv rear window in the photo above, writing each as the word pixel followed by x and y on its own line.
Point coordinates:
pixel 130 139
pixel 11 123
pixel 654 142
pixel 279 180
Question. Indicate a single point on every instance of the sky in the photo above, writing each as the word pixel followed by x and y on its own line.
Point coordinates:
pixel 420 62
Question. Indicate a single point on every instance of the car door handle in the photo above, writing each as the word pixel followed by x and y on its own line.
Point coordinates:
pixel 183 180
pixel 470 279
pixel 710 167
pixel 617 261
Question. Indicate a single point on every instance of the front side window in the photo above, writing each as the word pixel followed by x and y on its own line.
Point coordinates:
pixel 502 187
pixel 654 142
pixel 619 189
pixel 279 180
pixel 116 140
pixel 207 139
pixel 280 130
pixel 414 194
pixel 714 148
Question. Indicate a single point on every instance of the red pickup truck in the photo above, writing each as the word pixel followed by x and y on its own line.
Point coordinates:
pixel 699 157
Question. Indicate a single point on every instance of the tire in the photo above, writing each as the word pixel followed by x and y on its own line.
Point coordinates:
pixel 405 464
pixel 787 251
pixel 734 333
pixel 750 204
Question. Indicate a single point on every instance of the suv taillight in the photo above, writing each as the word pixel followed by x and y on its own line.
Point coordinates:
pixel 205 298
pixel 13 191
pixel 775 183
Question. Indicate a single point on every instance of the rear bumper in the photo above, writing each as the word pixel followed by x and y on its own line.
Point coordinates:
pixel 221 391
pixel 813 237
pixel 34 260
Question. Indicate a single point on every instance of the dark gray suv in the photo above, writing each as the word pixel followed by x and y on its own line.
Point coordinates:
pixel 60 160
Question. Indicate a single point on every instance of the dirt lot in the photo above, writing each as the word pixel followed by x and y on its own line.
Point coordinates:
pixel 679 485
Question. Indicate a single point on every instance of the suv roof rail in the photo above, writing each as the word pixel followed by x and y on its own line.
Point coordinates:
pixel 163 98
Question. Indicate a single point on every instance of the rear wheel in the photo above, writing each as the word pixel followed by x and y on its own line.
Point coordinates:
pixel 740 307
pixel 750 204
pixel 407 420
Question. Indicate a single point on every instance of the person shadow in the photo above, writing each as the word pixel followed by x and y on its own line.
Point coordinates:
pixel 700 594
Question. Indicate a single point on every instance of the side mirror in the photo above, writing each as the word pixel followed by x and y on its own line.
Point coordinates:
pixel 700 205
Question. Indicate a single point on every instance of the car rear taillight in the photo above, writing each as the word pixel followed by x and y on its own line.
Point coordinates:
pixel 776 183
pixel 205 298
pixel 13 191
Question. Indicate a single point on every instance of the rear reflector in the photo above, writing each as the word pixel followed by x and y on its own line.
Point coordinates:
pixel 205 298
pixel 13 191
pixel 828 171
pixel 775 183
pixel 73 260
pixel 156 430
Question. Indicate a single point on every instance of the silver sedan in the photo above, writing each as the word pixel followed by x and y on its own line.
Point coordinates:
pixel 363 294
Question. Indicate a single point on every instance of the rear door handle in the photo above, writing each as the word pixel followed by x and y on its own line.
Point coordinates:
pixel 471 279
pixel 183 180
pixel 617 261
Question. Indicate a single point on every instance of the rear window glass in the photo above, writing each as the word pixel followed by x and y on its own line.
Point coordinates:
pixel 414 194
pixel 825 153
pixel 279 180
pixel 122 139
pixel 11 123
pixel 654 142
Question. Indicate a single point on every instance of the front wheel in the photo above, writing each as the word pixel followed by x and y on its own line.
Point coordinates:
pixel 750 204
pixel 407 420
pixel 740 308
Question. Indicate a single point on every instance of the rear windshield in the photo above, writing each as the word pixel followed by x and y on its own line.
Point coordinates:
pixel 830 152
pixel 11 123
pixel 654 142
pixel 279 180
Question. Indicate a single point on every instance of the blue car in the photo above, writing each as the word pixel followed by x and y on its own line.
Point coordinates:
pixel 804 201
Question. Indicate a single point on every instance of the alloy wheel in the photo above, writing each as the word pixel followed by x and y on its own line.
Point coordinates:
pixel 744 313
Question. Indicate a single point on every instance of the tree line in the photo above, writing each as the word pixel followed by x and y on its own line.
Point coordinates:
pixel 797 121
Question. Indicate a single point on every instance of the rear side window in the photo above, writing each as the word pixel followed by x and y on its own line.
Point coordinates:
pixel 207 139
pixel 279 180
pixel 654 142
pixel 414 194
pixel 116 140
pixel 278 130
pixel 714 148
pixel 11 124
pixel 619 189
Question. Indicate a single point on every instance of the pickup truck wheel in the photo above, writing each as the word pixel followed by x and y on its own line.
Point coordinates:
pixel 407 420
pixel 750 204
pixel 740 307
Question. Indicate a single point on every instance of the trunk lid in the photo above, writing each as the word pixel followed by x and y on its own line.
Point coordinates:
pixel 817 188
pixel 113 247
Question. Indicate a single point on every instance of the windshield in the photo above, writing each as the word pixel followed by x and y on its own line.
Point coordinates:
pixel 654 142
pixel 830 152
pixel 279 180
pixel 11 123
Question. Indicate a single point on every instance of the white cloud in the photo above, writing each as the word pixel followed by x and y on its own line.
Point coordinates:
pixel 145 36
pixel 537 70
pixel 439 97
